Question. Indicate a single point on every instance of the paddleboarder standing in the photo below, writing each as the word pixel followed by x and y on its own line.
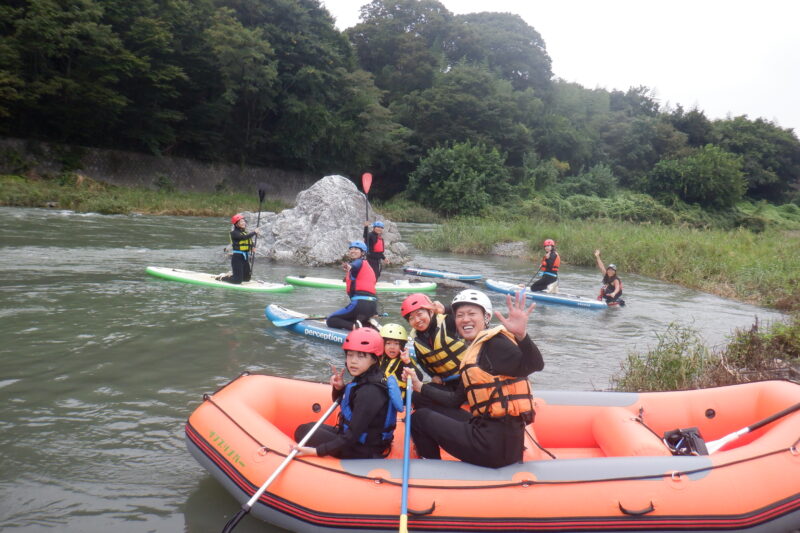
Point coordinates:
pixel 375 247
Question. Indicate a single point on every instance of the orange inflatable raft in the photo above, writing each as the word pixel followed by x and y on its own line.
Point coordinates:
pixel 594 462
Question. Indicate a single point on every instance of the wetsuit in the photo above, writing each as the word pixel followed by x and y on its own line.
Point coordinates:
pixel 368 405
pixel 549 270
pixel 242 245
pixel 375 249
pixel 482 440
pixel 360 286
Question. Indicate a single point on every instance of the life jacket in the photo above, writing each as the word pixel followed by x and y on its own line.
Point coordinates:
pixel 492 395
pixel 363 282
pixel 241 245
pixel 443 359
pixel 608 286
pixel 374 436
pixel 394 368
pixel 551 269
pixel 377 247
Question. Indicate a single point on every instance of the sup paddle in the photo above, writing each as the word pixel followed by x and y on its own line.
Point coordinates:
pixel 366 183
pixel 262 191
pixel 249 504
pixel 403 528
pixel 716 445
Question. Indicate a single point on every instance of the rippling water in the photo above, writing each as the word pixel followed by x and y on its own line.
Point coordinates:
pixel 100 364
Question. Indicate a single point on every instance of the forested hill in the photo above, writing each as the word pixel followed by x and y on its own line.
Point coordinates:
pixel 411 91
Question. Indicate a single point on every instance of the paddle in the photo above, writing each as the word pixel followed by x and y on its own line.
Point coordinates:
pixel 262 191
pixel 296 320
pixel 715 445
pixel 366 183
pixel 247 506
pixel 403 528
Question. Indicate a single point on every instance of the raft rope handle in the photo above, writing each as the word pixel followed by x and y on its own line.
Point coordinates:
pixel 545 450
pixel 639 512
pixel 523 483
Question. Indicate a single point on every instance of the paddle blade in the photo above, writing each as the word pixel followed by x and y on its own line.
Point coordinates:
pixel 366 182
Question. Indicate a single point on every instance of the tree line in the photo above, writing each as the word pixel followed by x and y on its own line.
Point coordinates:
pixel 466 105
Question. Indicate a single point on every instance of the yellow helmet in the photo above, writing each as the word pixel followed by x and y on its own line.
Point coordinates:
pixel 394 331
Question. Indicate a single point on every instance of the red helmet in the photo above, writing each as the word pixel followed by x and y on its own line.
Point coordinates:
pixel 415 301
pixel 364 340
pixel 236 218
pixel 549 242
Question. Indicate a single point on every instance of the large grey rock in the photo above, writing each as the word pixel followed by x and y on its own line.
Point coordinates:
pixel 326 218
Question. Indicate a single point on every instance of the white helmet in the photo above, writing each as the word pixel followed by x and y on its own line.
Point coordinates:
pixel 471 296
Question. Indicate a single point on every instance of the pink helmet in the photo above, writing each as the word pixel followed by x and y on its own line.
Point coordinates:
pixel 413 302
pixel 236 218
pixel 549 242
pixel 364 340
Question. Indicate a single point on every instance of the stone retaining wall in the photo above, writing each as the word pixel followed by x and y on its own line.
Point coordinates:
pixel 135 169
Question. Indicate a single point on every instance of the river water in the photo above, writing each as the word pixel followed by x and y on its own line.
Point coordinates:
pixel 101 364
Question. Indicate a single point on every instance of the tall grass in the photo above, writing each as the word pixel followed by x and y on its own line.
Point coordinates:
pixel 680 360
pixel 82 194
pixel 758 267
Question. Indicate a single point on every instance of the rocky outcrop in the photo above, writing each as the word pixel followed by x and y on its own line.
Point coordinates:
pixel 326 218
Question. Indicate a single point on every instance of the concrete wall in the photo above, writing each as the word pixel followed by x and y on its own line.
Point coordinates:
pixel 134 169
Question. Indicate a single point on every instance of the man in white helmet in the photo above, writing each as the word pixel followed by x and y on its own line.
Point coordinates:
pixel 494 382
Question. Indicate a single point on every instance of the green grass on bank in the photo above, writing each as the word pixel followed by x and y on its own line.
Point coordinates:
pixel 77 193
pixel 756 267
pixel 681 361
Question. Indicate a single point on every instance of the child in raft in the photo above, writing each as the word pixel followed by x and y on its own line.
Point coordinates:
pixel 395 355
pixel 368 405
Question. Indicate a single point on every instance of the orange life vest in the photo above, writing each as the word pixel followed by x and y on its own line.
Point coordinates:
pixel 489 394
pixel 555 266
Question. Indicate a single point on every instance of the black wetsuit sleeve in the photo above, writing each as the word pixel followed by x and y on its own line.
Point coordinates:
pixel 444 396
pixel 371 401
pixel 366 236
pixel 500 356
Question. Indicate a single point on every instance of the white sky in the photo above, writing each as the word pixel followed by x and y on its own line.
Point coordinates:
pixel 727 57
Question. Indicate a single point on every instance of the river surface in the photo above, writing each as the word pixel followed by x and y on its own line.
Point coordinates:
pixel 101 364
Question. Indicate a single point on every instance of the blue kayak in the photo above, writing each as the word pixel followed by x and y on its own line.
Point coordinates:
pixel 545 297
pixel 433 273
pixel 300 323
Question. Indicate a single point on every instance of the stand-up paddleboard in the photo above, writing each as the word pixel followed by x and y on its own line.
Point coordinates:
pixel 208 280
pixel 399 285
pixel 433 273
pixel 311 328
pixel 545 297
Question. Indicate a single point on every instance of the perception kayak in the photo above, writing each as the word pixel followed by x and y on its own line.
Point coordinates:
pixel 209 280
pixel 545 297
pixel 433 273
pixel 399 285
pixel 311 328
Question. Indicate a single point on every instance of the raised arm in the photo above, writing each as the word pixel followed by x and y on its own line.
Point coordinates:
pixel 599 261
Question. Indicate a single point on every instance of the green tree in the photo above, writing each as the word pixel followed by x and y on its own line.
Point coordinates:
pixel 771 155
pixel 399 42
pixel 459 179
pixel 506 44
pixel 710 177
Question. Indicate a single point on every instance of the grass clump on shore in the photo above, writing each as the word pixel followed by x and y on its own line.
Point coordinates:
pixel 78 193
pixel 681 361
pixel 401 209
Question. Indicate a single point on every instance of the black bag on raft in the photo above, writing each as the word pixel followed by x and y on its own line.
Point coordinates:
pixel 687 441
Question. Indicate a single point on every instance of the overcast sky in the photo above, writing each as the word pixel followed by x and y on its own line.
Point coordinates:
pixel 726 57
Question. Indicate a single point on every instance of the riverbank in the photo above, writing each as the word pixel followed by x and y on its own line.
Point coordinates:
pixel 78 193
pixel 758 268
